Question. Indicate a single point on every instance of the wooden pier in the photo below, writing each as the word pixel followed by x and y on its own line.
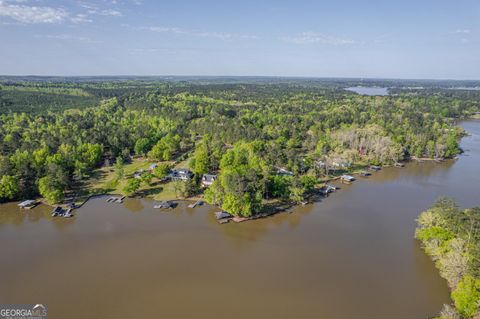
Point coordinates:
pixel 195 204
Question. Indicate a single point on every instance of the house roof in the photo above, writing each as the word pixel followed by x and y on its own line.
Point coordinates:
pixel 209 177
pixel 27 203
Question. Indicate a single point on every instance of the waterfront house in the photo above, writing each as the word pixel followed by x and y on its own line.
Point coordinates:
pixel 340 164
pixel 208 179
pixel 181 174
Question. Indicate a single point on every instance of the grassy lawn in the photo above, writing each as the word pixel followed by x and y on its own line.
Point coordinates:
pixel 102 181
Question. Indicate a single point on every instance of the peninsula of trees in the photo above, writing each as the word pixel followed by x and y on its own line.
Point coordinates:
pixel 55 135
pixel 451 237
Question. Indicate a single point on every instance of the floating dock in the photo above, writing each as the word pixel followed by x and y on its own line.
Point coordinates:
pixel 58 211
pixel 365 173
pixel 347 179
pixel 115 199
pixel 327 189
pixel 28 204
pixel 165 205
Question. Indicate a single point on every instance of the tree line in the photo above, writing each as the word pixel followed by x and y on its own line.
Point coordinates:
pixel 242 132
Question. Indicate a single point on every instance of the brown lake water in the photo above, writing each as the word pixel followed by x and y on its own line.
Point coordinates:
pixel 351 255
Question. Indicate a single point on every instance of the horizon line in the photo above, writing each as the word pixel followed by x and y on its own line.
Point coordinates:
pixel 240 76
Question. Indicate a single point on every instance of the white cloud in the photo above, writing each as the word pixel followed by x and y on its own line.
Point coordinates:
pixel 23 13
pixel 315 37
pixel 198 33
pixel 32 14
pixel 69 37
pixel 110 12
pixel 81 18
pixel 93 9
pixel 461 31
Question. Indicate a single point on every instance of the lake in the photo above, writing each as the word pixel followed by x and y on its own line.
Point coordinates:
pixel 351 255
pixel 364 90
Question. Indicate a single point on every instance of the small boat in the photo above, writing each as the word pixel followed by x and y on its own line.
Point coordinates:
pixel 375 168
pixel 397 164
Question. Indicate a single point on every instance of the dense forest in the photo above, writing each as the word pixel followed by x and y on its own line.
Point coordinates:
pixel 57 132
pixel 451 237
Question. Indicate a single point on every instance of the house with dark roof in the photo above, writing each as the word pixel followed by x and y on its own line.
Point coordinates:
pixel 181 174
pixel 284 171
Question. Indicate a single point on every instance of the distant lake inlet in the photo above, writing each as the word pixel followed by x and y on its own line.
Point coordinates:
pixel 364 90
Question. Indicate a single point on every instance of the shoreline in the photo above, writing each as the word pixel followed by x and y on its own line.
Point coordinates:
pixel 270 208
pixel 281 204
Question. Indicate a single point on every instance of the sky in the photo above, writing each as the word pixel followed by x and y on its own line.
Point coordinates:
pixel 428 39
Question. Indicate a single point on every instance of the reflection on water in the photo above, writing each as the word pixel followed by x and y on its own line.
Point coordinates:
pixel 11 214
pixel 134 205
pixel 350 256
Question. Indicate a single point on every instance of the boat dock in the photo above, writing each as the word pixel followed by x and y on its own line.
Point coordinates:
pixel 165 205
pixel 197 203
pixel 347 179
pixel 327 189
pixel 58 211
pixel 28 204
pixel 365 173
pixel 116 199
